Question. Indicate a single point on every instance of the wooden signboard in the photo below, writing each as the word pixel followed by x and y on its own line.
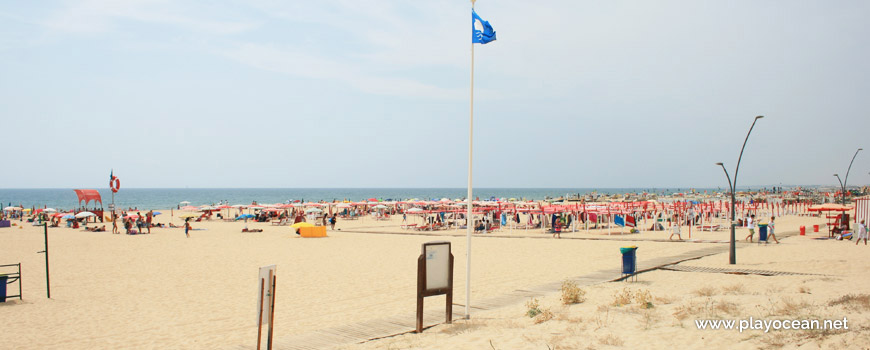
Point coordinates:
pixel 434 277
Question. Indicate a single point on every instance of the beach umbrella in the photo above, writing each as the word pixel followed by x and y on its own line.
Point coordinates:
pixel 313 210
pixel 343 206
pixel 11 208
pixel 184 203
pixel 414 210
pixel 157 213
pixel 132 216
pixel 84 214
pixel 49 210
pixel 379 206
pixel 189 207
pixel 829 207
pixel 301 224
pixel 245 216
pixel 68 216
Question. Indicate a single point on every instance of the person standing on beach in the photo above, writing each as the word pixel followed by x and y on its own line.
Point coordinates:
pixel 862 233
pixel 770 234
pixel 114 223
pixel 675 230
pixel 751 225
pixel 148 217
pixel 332 221
pixel 187 227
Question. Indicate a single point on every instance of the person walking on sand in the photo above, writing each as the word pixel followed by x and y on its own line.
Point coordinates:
pixel 770 234
pixel 187 227
pixel 675 230
pixel 862 232
pixel 751 225
pixel 557 230
pixel 115 223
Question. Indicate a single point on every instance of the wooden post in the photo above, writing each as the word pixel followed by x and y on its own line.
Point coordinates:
pixel 272 317
pixel 47 280
pixel 421 285
pixel 260 322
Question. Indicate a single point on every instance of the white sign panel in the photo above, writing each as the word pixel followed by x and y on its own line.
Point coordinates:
pixel 437 265
pixel 264 299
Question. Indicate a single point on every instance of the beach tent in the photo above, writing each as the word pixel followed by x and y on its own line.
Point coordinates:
pixel 87 196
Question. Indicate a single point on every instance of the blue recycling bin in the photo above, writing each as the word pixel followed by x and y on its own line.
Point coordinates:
pixel 3 288
pixel 762 232
pixel 629 260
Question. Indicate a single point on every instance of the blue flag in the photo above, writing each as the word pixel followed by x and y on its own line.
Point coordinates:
pixel 617 219
pixel 481 31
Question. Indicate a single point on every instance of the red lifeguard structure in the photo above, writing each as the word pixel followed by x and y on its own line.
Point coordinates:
pixel 87 196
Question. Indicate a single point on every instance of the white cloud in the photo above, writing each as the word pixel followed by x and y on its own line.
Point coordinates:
pixel 97 16
pixel 298 63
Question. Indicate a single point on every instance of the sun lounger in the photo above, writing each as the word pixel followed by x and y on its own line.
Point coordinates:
pixel 709 227
pixel 410 226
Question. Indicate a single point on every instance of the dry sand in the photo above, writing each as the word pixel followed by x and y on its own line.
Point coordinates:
pixel 166 291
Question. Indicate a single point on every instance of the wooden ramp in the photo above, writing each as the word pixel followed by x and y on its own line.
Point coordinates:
pixel 732 271
pixel 332 337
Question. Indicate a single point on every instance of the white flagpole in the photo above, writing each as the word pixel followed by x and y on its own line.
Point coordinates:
pixel 468 209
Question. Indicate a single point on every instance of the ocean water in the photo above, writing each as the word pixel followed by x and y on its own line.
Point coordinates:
pixel 170 197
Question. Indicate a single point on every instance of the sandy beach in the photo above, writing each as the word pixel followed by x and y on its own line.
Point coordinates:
pixel 166 290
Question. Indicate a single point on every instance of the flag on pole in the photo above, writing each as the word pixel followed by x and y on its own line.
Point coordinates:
pixel 481 31
pixel 111 177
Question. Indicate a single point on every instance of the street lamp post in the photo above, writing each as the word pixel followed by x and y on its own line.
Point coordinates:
pixel 732 256
pixel 846 179
pixel 842 188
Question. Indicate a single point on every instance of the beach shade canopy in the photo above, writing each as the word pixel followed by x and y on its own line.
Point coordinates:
pixel 301 224
pixel 89 195
pixel 49 210
pixel 11 209
pixel 343 205
pixel 414 210
pixel 184 202
pixel 189 207
pixel 379 206
pixel 313 210
pixel 85 214
pixel 68 216
pixel 245 216
pixel 829 207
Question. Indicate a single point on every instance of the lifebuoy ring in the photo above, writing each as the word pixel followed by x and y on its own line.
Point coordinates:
pixel 116 184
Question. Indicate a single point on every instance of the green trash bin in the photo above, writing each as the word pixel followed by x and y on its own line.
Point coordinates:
pixel 3 279
pixel 629 260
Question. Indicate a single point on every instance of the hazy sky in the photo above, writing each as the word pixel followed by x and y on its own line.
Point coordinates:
pixel 376 93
